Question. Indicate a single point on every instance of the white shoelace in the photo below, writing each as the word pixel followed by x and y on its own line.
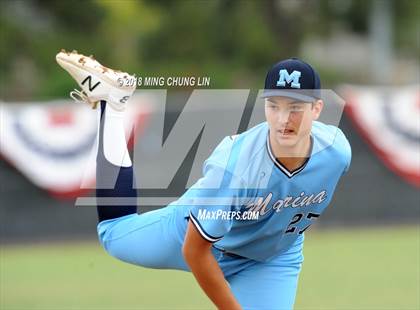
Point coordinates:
pixel 81 97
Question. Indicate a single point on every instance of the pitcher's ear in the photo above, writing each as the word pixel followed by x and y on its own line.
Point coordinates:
pixel 317 107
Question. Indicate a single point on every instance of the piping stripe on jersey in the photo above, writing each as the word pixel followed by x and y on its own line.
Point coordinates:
pixel 282 168
pixel 202 232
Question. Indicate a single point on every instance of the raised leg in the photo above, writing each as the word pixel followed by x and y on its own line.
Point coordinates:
pixel 114 170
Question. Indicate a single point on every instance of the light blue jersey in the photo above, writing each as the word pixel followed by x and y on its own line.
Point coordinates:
pixel 243 175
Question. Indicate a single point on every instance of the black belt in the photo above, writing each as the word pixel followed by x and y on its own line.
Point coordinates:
pixel 229 253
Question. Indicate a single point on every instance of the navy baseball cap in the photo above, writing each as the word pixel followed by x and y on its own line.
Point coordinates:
pixel 293 78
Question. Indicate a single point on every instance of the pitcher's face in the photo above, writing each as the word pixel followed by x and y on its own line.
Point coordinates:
pixel 290 120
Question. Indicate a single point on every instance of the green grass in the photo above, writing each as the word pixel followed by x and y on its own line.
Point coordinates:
pixel 374 268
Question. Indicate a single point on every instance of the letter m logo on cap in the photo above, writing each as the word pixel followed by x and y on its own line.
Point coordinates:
pixel 292 79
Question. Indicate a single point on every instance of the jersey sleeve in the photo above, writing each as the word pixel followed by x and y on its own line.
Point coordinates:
pixel 212 200
pixel 345 150
pixel 348 161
